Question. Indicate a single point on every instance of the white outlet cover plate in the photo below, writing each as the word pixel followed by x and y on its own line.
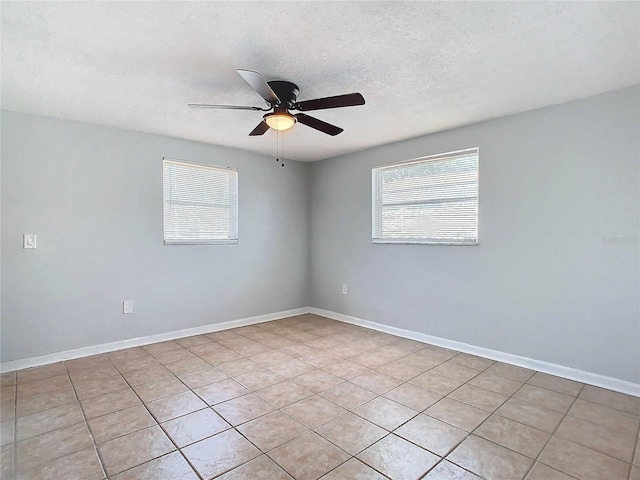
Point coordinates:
pixel 29 240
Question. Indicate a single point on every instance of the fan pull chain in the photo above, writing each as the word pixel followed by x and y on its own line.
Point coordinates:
pixel 279 149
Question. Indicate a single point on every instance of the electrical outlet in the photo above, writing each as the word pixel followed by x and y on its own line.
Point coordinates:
pixel 344 289
pixel 29 240
pixel 127 306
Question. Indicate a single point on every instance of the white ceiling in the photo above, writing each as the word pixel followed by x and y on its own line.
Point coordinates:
pixel 421 66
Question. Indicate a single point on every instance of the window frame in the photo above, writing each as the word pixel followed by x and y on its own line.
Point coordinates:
pixel 234 197
pixel 377 201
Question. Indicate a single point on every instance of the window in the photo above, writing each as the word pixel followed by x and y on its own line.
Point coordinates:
pixel 429 200
pixel 200 203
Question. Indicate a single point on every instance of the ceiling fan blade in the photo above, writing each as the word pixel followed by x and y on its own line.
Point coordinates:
pixel 318 124
pixel 259 85
pixel 260 129
pixel 225 107
pixel 347 100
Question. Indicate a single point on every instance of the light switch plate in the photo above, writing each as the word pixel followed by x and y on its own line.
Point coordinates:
pixel 29 240
pixel 127 306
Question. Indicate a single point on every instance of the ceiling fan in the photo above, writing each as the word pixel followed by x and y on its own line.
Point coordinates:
pixel 281 97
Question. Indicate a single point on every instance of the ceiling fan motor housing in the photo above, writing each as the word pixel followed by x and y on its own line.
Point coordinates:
pixel 287 92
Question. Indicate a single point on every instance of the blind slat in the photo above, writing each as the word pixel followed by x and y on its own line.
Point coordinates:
pixel 200 203
pixel 429 200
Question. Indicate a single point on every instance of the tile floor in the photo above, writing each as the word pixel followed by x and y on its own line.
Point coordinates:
pixel 306 398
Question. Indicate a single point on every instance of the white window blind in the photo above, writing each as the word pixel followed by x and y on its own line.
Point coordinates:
pixel 200 203
pixel 429 200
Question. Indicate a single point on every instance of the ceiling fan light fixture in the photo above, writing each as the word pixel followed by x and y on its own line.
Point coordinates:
pixel 280 120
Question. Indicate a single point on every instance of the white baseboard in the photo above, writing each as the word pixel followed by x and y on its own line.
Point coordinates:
pixel 136 342
pixel 598 380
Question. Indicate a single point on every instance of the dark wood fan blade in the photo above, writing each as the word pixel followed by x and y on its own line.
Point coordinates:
pixel 259 85
pixel 318 124
pixel 225 107
pixel 347 100
pixel 260 129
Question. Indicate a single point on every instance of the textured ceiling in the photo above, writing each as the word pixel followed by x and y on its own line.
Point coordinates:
pixel 421 66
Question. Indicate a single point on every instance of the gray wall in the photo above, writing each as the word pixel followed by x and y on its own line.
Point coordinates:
pixel 93 196
pixel 542 283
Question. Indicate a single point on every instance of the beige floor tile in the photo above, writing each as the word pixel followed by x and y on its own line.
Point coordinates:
pixel 472 361
pixel 133 449
pixel 496 383
pixel 174 355
pixel 291 368
pixel 6 461
pixel 457 414
pixel 294 351
pixel 127 354
pixel 346 369
pixel 436 383
pixel 351 433
pixel 400 370
pixel 202 377
pixel 220 356
pixel 414 397
pixel 317 380
pixel 376 382
pixel 238 367
pixel 131 365
pixel 205 348
pixel 186 365
pixel 431 434
pixel 606 416
pixel 172 466
pixel 636 457
pixel 582 462
pixel 608 398
pixel 529 414
pixel 511 372
pixel 120 423
pixel 319 359
pixel 398 459
pixel 193 341
pixel 174 406
pixel 478 397
pixel 7 432
pixel 220 453
pixel 557 384
pixel 194 427
pixel 635 473
pixel 259 379
pixel 272 357
pixel 160 388
pixel 38 387
pixel 616 443
pixel 243 409
pixel 347 395
pixel 353 469
pixel 545 398
pixel 82 465
pixel 455 371
pixel 385 413
pixel 541 472
pixel 221 391
pixel 513 435
pixel 97 387
pixel 83 375
pixel 49 420
pixel 40 373
pixel 40 403
pixel 314 411
pixel 49 446
pixel 109 403
pixel 283 394
pixel 261 468
pixel 138 377
pixel 489 460
pixel 308 457
pixel 446 470
pixel 272 430
pixel 7 379
pixel 165 346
